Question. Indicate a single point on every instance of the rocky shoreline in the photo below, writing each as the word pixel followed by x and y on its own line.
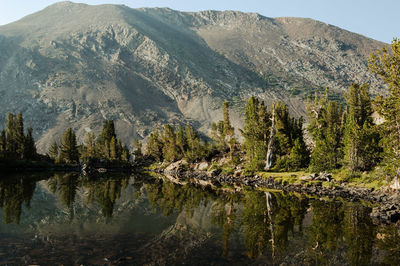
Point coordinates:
pixel 386 202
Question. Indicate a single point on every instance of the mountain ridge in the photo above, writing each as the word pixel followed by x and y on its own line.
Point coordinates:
pixel 76 65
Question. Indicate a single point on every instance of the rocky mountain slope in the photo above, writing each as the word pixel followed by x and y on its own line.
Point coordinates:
pixel 74 65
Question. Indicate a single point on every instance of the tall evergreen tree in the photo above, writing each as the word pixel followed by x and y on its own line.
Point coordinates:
pixel 19 134
pixel 326 128
pixel 113 149
pixel 53 151
pixel 361 141
pixel 194 151
pixel 137 150
pixel 254 143
pixel 91 149
pixel 170 149
pixel 154 146
pixel 229 130
pixel 15 135
pixel 181 140
pixel 386 64
pixel 29 145
pixel 69 149
pixel 3 142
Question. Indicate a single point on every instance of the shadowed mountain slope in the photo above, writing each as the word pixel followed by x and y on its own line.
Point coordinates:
pixel 76 65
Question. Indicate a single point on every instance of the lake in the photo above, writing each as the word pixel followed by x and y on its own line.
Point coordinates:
pixel 66 219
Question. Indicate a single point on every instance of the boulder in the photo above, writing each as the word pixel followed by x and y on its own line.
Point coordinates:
pixel 176 166
pixel 237 173
pixel 203 166
pixel 395 184
pixel 306 178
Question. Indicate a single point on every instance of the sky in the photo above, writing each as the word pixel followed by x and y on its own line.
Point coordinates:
pixel 377 19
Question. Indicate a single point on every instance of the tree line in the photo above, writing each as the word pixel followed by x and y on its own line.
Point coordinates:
pixel 106 146
pixel 17 145
pixel 343 135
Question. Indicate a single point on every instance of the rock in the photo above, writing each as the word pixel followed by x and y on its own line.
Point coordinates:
pixel 203 166
pixel 395 184
pixel 176 167
pixel 306 178
pixel 237 173
pixel 324 176
pixel 101 170
pixel 213 172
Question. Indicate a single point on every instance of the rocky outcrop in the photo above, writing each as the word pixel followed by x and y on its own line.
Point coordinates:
pixel 74 65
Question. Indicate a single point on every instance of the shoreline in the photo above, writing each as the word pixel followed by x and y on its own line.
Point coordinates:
pixel 386 204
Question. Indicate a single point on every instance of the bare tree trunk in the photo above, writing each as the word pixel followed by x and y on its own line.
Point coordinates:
pixel 271 144
pixel 271 226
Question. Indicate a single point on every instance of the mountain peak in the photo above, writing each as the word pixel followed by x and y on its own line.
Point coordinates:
pixel 74 65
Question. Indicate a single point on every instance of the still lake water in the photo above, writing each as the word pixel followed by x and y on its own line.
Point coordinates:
pixel 65 219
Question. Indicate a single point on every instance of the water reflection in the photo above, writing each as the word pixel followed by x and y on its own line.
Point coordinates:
pixel 202 224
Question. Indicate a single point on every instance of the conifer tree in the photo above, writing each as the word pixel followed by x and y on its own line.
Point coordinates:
pixel 254 143
pixel 69 150
pixel 194 147
pixel 326 128
pixel 91 151
pixel 53 151
pixel 19 134
pixel 386 64
pixel 29 145
pixel 119 150
pixel 137 150
pixel 229 130
pixel 125 155
pixel 361 141
pixel 15 135
pixel 170 149
pixel 3 142
pixel 108 131
pixel 181 140
pixel 154 146
pixel 113 149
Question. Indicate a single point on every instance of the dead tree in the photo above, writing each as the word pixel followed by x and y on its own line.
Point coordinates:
pixel 271 143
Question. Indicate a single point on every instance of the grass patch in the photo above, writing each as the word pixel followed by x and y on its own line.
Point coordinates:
pixel 373 179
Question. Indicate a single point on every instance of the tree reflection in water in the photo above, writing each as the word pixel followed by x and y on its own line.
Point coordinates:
pixel 266 226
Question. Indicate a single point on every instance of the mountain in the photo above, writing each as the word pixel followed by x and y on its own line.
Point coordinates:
pixel 74 65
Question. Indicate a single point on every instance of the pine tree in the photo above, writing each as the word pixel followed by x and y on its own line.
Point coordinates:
pixel 3 142
pixel 29 145
pixel 326 128
pixel 15 135
pixel 125 156
pixel 69 150
pixel 19 134
pixel 113 149
pixel 170 149
pixel 181 140
pixel 386 64
pixel 53 151
pixel 361 141
pixel 229 130
pixel 194 147
pixel 254 143
pixel 108 132
pixel 91 151
pixel 154 146
pixel 138 150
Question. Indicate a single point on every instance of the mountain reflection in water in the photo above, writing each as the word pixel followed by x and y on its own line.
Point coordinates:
pixel 125 220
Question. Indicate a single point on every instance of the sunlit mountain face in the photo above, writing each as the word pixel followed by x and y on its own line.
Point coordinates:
pixel 75 65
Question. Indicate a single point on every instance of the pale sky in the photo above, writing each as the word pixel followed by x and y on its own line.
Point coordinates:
pixel 379 20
